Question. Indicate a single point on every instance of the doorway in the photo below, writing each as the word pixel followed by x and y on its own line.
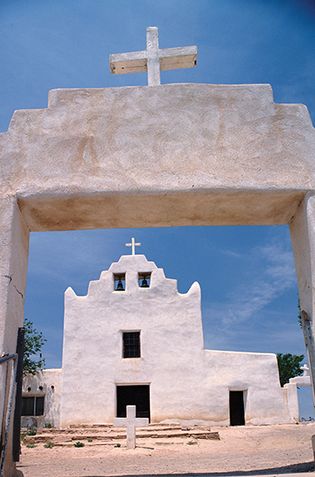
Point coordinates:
pixel 136 395
pixel 237 411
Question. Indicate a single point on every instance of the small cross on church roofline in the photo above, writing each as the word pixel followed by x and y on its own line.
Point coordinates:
pixel 153 59
pixel 133 244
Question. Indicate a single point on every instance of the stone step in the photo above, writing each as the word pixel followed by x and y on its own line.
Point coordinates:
pixel 198 434
pixel 161 425
pixel 101 429
pixel 156 427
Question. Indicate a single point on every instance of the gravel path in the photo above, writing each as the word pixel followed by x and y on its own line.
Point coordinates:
pixel 265 449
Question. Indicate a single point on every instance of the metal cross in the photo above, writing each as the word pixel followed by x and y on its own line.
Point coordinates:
pixel 153 59
pixel 133 245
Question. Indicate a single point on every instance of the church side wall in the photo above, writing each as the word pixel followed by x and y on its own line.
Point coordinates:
pixel 254 373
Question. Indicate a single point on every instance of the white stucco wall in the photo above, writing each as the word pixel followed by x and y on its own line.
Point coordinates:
pixel 50 381
pixel 187 383
pixel 192 154
pixel 290 391
pixel 256 374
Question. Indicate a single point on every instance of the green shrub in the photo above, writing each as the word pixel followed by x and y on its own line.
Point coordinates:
pixel 32 431
pixel 48 425
pixel 78 444
pixel 289 366
pixel 90 440
pixel 31 445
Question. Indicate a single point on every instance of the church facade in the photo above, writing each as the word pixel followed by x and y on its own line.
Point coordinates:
pixel 134 339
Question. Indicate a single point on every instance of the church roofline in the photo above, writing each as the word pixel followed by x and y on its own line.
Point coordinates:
pixel 60 96
pixel 253 353
pixel 132 265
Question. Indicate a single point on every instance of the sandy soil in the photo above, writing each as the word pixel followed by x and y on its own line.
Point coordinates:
pixel 267 449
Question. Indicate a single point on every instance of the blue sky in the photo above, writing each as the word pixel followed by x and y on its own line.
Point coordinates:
pixel 246 273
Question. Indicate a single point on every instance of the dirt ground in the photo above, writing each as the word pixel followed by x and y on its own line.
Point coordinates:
pixel 265 449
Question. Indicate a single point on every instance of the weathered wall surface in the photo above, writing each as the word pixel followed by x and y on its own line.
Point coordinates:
pixel 187 383
pixel 302 230
pixel 191 153
pixel 14 241
pixel 14 236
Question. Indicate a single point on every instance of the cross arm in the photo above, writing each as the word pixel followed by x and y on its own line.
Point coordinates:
pixel 132 62
pixel 142 422
pixel 170 59
pixel 120 422
pixel 181 57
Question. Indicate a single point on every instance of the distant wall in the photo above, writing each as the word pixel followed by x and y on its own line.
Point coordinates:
pixel 50 380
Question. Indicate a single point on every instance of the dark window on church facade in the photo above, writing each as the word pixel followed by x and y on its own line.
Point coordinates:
pixel 33 405
pixel 144 279
pixel 131 344
pixel 119 281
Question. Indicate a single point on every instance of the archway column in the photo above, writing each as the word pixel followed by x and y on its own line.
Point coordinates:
pixel 303 241
pixel 14 242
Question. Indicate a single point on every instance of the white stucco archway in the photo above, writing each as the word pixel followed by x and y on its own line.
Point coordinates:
pixel 186 154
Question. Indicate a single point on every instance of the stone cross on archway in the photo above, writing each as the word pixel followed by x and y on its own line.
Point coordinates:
pixel 153 59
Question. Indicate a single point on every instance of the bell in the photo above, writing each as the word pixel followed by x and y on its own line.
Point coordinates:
pixel 120 285
pixel 144 283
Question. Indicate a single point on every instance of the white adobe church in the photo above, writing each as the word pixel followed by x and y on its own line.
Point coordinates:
pixel 135 340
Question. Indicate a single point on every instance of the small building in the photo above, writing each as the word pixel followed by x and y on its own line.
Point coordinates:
pixel 134 339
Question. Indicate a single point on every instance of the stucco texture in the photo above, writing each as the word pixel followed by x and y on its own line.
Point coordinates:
pixel 193 153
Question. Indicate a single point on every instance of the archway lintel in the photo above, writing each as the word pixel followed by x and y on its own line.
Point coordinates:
pixel 160 209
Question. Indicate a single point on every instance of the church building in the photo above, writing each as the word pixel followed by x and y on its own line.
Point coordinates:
pixel 134 339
